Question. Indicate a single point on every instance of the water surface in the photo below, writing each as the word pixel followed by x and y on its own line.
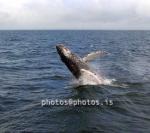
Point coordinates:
pixel 30 70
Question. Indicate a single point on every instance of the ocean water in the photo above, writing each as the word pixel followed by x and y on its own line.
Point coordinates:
pixel 31 70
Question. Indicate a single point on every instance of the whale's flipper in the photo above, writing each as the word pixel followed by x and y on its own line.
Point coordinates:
pixel 93 55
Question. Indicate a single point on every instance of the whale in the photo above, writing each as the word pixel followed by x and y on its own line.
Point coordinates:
pixel 80 67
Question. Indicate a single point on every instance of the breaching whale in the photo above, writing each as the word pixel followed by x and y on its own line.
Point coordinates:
pixel 79 67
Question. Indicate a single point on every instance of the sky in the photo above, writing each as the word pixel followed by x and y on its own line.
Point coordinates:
pixel 75 14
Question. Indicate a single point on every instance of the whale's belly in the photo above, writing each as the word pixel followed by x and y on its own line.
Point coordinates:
pixel 89 78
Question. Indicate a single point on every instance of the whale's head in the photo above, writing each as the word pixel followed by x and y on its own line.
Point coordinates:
pixel 72 61
pixel 63 51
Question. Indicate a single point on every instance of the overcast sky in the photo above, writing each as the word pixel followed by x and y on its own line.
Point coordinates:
pixel 75 14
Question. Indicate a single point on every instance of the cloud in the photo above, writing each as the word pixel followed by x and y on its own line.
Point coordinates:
pixel 74 14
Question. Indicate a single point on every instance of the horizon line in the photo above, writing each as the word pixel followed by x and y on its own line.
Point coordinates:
pixel 79 29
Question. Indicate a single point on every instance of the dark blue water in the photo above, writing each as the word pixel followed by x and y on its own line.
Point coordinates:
pixel 30 70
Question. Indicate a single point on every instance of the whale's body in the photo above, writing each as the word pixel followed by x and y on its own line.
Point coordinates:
pixel 79 66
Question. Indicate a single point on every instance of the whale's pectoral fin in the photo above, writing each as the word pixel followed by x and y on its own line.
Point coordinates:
pixel 94 55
